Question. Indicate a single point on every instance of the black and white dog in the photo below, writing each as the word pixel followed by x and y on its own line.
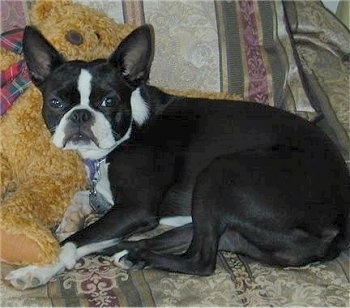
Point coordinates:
pixel 235 176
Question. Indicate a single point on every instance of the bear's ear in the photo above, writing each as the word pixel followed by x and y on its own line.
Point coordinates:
pixel 41 9
pixel 134 55
pixel 41 57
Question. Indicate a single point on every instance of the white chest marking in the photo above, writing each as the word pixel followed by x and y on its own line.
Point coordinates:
pixel 84 87
pixel 139 108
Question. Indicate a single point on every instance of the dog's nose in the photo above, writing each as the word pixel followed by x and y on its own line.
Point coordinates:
pixel 80 116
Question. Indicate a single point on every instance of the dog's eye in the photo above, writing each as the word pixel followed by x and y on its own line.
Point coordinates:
pixel 108 102
pixel 56 104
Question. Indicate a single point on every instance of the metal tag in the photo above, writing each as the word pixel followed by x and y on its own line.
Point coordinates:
pixel 99 203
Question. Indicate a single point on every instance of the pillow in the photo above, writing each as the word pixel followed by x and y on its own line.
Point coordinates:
pixel 324 55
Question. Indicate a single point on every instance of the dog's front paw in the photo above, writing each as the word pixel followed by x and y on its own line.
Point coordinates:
pixel 30 276
pixel 75 215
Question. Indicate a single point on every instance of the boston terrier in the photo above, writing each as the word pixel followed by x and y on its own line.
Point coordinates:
pixel 228 175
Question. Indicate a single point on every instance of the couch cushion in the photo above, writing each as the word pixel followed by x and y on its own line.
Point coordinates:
pixel 96 282
pixel 322 44
pixel 236 47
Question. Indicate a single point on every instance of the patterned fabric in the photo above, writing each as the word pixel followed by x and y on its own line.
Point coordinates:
pixel 239 47
pixel 13 15
pixel 253 53
pixel 15 79
pixel 96 282
pixel 243 48
pixel 325 58
pixel 12 40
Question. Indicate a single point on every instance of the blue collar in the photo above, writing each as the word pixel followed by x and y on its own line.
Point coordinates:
pixel 93 166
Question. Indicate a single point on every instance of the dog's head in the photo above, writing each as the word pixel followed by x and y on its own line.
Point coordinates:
pixel 90 106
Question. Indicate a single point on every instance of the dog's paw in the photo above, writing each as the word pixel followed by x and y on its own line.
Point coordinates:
pixel 119 259
pixel 75 215
pixel 128 260
pixel 30 276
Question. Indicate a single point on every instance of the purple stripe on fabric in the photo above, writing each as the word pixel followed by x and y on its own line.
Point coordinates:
pixel 257 72
pixel 133 12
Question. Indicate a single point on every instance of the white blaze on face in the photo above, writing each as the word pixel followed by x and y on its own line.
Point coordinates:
pixel 84 87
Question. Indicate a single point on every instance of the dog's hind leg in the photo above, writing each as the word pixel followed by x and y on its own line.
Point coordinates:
pixel 199 259
pixel 209 224
pixel 216 201
pixel 174 241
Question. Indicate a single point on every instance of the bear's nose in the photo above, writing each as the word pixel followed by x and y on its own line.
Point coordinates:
pixel 74 37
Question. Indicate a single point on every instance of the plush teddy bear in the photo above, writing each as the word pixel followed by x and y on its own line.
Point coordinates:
pixel 38 181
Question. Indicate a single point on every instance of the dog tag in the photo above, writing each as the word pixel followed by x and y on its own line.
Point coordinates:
pixel 99 203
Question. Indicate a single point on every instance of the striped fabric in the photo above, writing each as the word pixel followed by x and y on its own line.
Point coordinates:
pixel 239 47
pixel 133 12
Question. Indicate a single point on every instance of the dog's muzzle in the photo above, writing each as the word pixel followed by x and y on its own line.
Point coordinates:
pixel 79 128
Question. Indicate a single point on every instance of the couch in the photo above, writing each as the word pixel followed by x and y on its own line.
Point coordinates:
pixel 289 54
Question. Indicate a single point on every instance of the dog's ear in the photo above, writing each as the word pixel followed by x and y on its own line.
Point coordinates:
pixel 41 57
pixel 134 55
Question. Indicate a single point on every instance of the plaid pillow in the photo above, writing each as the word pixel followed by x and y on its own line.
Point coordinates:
pixel 15 79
